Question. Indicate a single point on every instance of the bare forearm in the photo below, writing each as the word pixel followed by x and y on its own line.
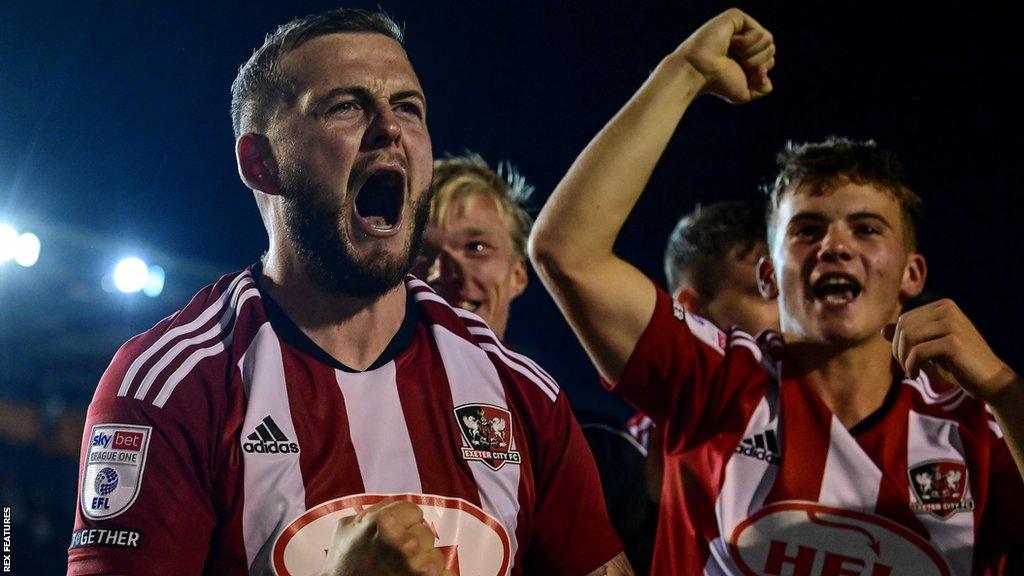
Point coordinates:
pixel 584 215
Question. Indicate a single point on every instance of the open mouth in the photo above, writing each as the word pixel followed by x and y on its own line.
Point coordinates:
pixel 836 289
pixel 379 201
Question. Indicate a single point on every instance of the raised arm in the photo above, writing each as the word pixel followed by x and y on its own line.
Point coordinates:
pixel 607 301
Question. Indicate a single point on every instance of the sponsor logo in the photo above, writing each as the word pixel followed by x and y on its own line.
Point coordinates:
pixel 269 439
pixel 472 542
pixel 487 430
pixel 939 487
pixel 113 471
pixel 109 537
pixel 762 446
pixel 811 539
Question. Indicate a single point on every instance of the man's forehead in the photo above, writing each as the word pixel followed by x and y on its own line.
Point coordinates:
pixel 474 214
pixel 365 59
pixel 836 200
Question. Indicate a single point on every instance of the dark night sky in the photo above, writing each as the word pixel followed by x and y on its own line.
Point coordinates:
pixel 114 132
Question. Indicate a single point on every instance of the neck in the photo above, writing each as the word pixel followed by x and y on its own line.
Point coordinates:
pixel 353 329
pixel 852 380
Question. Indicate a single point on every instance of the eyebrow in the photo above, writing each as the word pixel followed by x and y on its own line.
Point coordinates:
pixel 818 217
pixel 476 232
pixel 364 93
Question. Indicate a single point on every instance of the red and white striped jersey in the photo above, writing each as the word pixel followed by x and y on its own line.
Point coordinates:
pixel 761 478
pixel 220 442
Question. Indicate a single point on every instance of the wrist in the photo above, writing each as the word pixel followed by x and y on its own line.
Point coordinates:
pixel 1007 391
pixel 678 70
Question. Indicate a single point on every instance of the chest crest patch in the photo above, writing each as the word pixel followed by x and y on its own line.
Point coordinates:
pixel 487 434
pixel 939 487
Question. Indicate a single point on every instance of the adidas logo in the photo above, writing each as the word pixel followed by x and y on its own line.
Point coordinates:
pixel 763 446
pixel 269 439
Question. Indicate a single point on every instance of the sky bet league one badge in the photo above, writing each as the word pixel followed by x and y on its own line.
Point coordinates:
pixel 114 464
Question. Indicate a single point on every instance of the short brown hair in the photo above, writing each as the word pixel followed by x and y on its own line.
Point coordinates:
pixel 704 237
pixel 829 163
pixel 460 179
pixel 259 83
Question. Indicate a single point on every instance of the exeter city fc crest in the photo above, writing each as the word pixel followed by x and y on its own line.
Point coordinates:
pixel 488 432
pixel 940 487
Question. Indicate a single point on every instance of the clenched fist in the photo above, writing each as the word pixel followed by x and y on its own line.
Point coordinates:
pixel 734 55
pixel 386 539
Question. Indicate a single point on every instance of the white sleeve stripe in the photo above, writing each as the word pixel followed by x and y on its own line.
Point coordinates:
pixel 176 350
pixel 421 296
pixel 995 429
pixel 178 375
pixel 501 355
pixel 470 315
pixel 414 282
pixel 518 362
pixel 748 345
pixel 174 379
pixel 486 335
pixel 204 317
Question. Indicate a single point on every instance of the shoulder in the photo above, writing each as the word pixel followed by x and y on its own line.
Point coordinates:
pixel 463 332
pixel 194 340
pixel 939 402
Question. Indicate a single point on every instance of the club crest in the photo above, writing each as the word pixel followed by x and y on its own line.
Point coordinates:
pixel 487 432
pixel 940 487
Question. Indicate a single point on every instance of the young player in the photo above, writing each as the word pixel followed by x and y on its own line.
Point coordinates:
pixel 314 401
pixel 841 452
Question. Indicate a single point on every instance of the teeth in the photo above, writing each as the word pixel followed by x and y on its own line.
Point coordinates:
pixel 378 222
pixel 467 305
pixel 836 281
pixel 837 299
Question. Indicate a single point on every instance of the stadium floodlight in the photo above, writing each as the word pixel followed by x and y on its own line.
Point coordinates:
pixel 8 242
pixel 26 250
pixel 131 274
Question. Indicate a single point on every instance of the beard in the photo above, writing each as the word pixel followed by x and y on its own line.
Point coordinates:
pixel 312 218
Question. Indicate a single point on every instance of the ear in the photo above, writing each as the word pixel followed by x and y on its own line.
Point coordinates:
pixel 914 275
pixel 520 277
pixel 256 164
pixel 690 300
pixel 766 283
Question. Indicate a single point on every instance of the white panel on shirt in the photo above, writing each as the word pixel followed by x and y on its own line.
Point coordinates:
pixel 851 479
pixel 474 380
pixel 931 438
pixel 274 490
pixel 386 459
pixel 747 483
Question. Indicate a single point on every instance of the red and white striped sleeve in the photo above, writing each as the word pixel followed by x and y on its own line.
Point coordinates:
pixel 685 373
pixel 146 471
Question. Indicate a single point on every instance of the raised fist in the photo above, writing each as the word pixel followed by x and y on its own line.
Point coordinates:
pixel 734 54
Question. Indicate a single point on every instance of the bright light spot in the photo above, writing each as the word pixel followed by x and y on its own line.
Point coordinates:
pixel 154 282
pixel 130 275
pixel 8 242
pixel 26 252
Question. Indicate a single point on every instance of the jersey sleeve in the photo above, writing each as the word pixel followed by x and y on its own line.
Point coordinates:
pixel 144 504
pixel 1003 530
pixel 572 533
pixel 686 374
